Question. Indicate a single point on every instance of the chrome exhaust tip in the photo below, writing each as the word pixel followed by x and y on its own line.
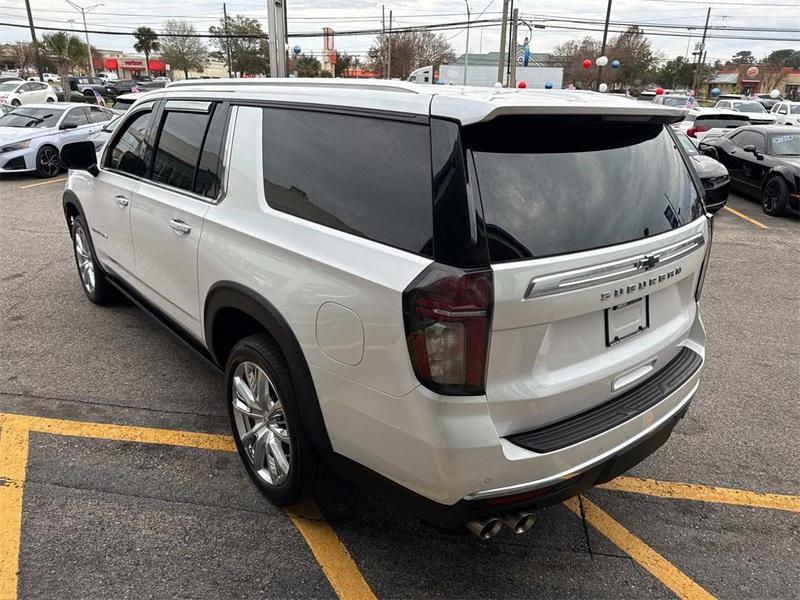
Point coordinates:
pixel 518 521
pixel 485 529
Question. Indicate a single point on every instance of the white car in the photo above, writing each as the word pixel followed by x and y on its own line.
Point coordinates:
pixel 107 76
pixel 17 93
pixel 47 78
pixel 787 113
pixel 409 284
pixel 700 122
pixel 752 108
pixel 31 136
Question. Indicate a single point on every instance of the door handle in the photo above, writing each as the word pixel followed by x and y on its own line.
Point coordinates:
pixel 180 227
pixel 122 201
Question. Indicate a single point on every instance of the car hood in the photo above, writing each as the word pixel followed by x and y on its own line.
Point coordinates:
pixel 708 167
pixel 15 134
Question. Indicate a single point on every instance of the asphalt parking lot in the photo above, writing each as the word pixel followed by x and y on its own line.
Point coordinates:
pixel 117 479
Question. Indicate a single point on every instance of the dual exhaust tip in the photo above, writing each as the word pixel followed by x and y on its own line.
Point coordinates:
pixel 518 521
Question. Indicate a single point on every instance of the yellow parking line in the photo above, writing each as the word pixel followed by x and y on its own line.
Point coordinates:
pixel 13 461
pixel 745 217
pixel 703 493
pixel 342 573
pixel 658 566
pixel 48 182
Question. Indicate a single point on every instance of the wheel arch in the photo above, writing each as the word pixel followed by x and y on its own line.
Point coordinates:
pixel 72 206
pixel 233 311
pixel 782 171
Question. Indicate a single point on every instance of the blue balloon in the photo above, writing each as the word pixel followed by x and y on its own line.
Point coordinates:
pixel 548 85
pixel 715 92
pixel 615 64
pixel 296 49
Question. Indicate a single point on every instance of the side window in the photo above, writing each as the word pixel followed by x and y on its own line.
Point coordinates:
pixel 366 176
pixel 178 149
pixel 784 110
pixel 97 114
pixel 39 86
pixel 75 118
pixel 759 142
pixel 26 87
pixel 131 150
pixel 209 171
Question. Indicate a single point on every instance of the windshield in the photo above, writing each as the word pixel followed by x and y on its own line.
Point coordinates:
pixel 749 107
pixel 550 187
pixel 785 145
pixel 112 124
pixel 794 109
pixel 9 86
pixel 31 117
pixel 675 100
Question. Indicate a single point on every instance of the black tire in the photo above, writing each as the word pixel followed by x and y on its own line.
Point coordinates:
pixel 50 100
pixel 307 474
pixel 48 162
pixel 101 291
pixel 775 196
pixel 15 102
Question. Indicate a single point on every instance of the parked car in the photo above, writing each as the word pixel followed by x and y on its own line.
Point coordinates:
pixel 646 96
pixel 5 108
pixel 108 76
pixel 99 138
pixel 767 100
pixel 755 111
pixel 119 87
pixel 700 122
pixel 474 348
pixel 711 172
pixel 673 100
pixel 87 85
pixel 124 101
pixel 17 93
pixel 787 113
pixel 47 78
pixel 32 136
pixel 730 97
pixel 10 78
pixel 764 162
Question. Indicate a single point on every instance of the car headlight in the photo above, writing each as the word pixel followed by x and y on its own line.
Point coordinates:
pixel 16 146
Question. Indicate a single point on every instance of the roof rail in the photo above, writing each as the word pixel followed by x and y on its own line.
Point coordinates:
pixel 361 84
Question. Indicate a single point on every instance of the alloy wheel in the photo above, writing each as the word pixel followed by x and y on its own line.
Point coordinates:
pixel 84 257
pixel 772 194
pixel 49 161
pixel 261 423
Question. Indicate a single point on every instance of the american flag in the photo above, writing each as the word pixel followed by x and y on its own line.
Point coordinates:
pixel 691 102
pixel 100 100
pixel 135 89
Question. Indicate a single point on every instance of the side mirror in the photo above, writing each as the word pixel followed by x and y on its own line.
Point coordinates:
pixel 69 126
pixel 749 148
pixel 80 156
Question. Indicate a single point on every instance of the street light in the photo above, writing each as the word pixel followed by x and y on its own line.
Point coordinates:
pixel 83 11
pixel 466 54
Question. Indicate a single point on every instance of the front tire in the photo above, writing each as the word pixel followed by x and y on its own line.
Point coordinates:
pixel 94 283
pixel 266 423
pixel 775 196
pixel 48 162
pixel 15 103
pixel 50 100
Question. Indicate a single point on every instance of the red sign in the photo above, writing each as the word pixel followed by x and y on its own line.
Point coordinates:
pixel 752 72
pixel 132 63
pixel 157 65
pixel 111 64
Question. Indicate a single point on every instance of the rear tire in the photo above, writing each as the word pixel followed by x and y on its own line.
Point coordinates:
pixel 266 423
pixel 775 196
pixel 94 283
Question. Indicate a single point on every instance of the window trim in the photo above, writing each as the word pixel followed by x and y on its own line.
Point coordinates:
pixel 120 131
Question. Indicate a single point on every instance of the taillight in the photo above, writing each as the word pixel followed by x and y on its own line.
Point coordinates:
pixel 447 314
pixel 704 267
pixel 695 130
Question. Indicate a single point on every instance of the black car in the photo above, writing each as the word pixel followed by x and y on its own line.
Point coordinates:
pixel 712 173
pixel 122 86
pixel 87 85
pixel 763 161
pixel 767 100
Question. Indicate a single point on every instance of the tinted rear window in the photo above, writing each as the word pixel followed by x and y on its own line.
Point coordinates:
pixel 366 176
pixel 721 122
pixel 550 188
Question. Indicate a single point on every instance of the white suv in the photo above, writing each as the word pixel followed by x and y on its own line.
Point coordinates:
pixel 477 302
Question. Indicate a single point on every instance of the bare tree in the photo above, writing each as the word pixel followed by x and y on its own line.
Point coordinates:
pixel 410 50
pixel 181 52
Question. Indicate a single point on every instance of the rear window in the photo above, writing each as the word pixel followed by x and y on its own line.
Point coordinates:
pixel 552 188
pixel 366 176
pixel 720 121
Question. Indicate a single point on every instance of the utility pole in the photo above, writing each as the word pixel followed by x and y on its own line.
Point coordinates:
pixel 276 21
pixel 227 39
pixel 700 53
pixel 512 79
pixel 510 45
pixel 86 30
pixel 35 43
pixel 383 34
pixel 390 45
pixel 603 47
pixel 466 51
pixel 501 60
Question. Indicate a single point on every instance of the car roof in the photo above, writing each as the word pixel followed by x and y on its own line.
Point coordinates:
pixel 131 96
pixel 61 105
pixel 468 104
pixel 770 129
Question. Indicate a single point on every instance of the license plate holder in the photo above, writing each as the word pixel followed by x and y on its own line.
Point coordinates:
pixel 626 320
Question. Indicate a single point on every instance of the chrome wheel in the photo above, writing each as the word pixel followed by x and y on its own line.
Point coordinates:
pixel 49 162
pixel 261 423
pixel 84 258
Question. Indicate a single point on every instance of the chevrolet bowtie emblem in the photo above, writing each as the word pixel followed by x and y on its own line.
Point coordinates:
pixel 649 261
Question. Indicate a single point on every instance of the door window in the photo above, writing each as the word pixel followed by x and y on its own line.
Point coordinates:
pixel 76 117
pixel 132 149
pixel 179 145
pixel 97 114
pixel 746 138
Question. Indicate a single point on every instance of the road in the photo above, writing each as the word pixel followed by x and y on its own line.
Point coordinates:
pixel 140 512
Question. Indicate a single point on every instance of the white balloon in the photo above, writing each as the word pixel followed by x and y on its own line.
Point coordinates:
pixel 774 93
pixel 601 61
pixel 603 87
pixel 497 84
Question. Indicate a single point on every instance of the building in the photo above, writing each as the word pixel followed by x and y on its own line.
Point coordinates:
pixel 128 66
pixel 757 79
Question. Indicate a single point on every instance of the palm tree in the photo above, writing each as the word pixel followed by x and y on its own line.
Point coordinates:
pixel 146 42
pixel 66 50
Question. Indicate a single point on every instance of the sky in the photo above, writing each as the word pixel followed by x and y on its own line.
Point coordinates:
pixel 740 18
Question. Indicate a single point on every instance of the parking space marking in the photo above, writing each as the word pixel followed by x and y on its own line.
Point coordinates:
pixel 48 182
pixel 336 562
pixel 658 566
pixel 703 493
pixel 745 217
pixel 13 461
